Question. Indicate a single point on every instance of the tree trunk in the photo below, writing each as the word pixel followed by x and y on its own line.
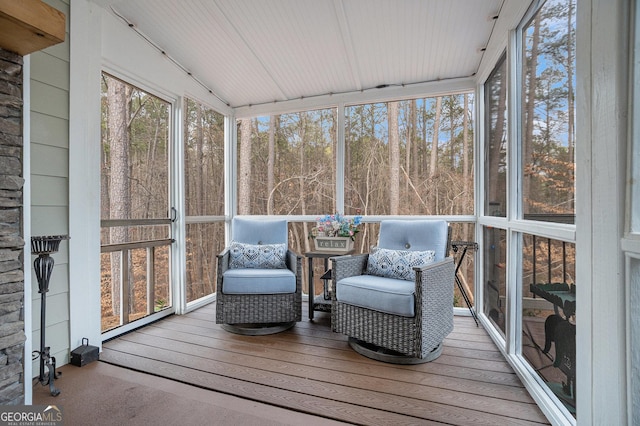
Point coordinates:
pixel 189 196
pixel 407 154
pixel 118 95
pixel 200 192
pixel 452 130
pixel 334 157
pixel 570 102
pixel 271 163
pixel 433 169
pixel 531 82
pixel 302 122
pixel 423 120
pixel 413 113
pixel 466 184
pixel 495 146
pixel 394 159
pixel 199 184
pixel 368 184
pixel 244 174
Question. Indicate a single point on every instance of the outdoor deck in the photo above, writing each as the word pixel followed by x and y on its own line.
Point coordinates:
pixel 309 369
pixel 190 371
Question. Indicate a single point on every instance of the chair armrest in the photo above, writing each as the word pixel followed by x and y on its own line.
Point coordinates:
pixel 223 260
pixel 434 266
pixel 348 266
pixel 440 274
pixel 434 296
pixel 221 267
pixel 294 264
pixel 291 259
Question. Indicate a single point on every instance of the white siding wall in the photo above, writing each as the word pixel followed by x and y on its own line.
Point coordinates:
pixel 631 242
pixel 49 153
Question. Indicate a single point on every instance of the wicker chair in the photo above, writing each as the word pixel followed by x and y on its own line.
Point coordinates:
pixel 389 318
pixel 256 294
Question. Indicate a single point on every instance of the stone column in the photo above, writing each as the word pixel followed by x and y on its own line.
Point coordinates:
pixel 12 333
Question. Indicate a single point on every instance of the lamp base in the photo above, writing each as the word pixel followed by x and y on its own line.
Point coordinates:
pixel 50 363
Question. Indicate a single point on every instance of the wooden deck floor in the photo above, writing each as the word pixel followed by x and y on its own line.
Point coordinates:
pixel 309 369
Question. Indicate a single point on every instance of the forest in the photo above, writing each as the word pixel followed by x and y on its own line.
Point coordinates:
pixel 134 200
pixel 419 151
pixel 410 157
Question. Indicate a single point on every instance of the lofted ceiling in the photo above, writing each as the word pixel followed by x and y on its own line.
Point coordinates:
pixel 251 52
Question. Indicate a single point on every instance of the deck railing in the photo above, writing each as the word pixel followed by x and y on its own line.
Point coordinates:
pixel 124 249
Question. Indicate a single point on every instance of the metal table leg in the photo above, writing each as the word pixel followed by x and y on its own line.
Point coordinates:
pixel 311 289
pixel 455 246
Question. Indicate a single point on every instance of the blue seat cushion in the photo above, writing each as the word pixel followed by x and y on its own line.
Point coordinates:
pixel 258 281
pixel 389 295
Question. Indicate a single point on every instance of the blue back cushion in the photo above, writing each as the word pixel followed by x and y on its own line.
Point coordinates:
pixel 257 256
pixel 397 263
pixel 422 234
pixel 259 231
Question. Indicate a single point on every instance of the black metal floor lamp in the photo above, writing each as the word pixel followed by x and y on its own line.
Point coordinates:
pixel 43 265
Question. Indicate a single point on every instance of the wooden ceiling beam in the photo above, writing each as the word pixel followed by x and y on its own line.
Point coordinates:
pixel 27 26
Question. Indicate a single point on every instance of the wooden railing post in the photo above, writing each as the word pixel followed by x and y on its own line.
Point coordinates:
pixel 124 287
pixel 151 279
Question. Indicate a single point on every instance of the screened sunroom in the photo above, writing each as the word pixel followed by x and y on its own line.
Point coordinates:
pixel 156 123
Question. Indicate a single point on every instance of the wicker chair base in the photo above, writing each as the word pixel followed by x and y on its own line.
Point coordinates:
pixel 256 314
pixel 381 354
pixel 258 329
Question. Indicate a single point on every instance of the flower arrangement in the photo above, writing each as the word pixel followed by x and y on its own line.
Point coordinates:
pixel 336 225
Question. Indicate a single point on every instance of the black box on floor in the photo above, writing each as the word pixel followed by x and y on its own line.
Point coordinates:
pixel 84 354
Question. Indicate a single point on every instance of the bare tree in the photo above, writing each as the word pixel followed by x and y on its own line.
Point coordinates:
pixel 199 187
pixel 334 156
pixel 465 163
pixel 530 82
pixel 413 153
pixel 302 191
pixel 495 142
pixel 244 174
pixel 118 95
pixel 433 166
pixel 270 162
pixel 570 94
pixel 394 158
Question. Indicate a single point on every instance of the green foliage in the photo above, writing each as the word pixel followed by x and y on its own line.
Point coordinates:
pixel 160 304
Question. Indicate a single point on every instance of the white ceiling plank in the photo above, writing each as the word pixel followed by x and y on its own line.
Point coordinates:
pixel 254 52
pixel 345 32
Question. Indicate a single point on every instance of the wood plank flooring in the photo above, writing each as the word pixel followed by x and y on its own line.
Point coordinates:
pixel 311 370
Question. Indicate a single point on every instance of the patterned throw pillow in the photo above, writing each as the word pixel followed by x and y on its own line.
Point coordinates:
pixel 262 256
pixel 397 263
